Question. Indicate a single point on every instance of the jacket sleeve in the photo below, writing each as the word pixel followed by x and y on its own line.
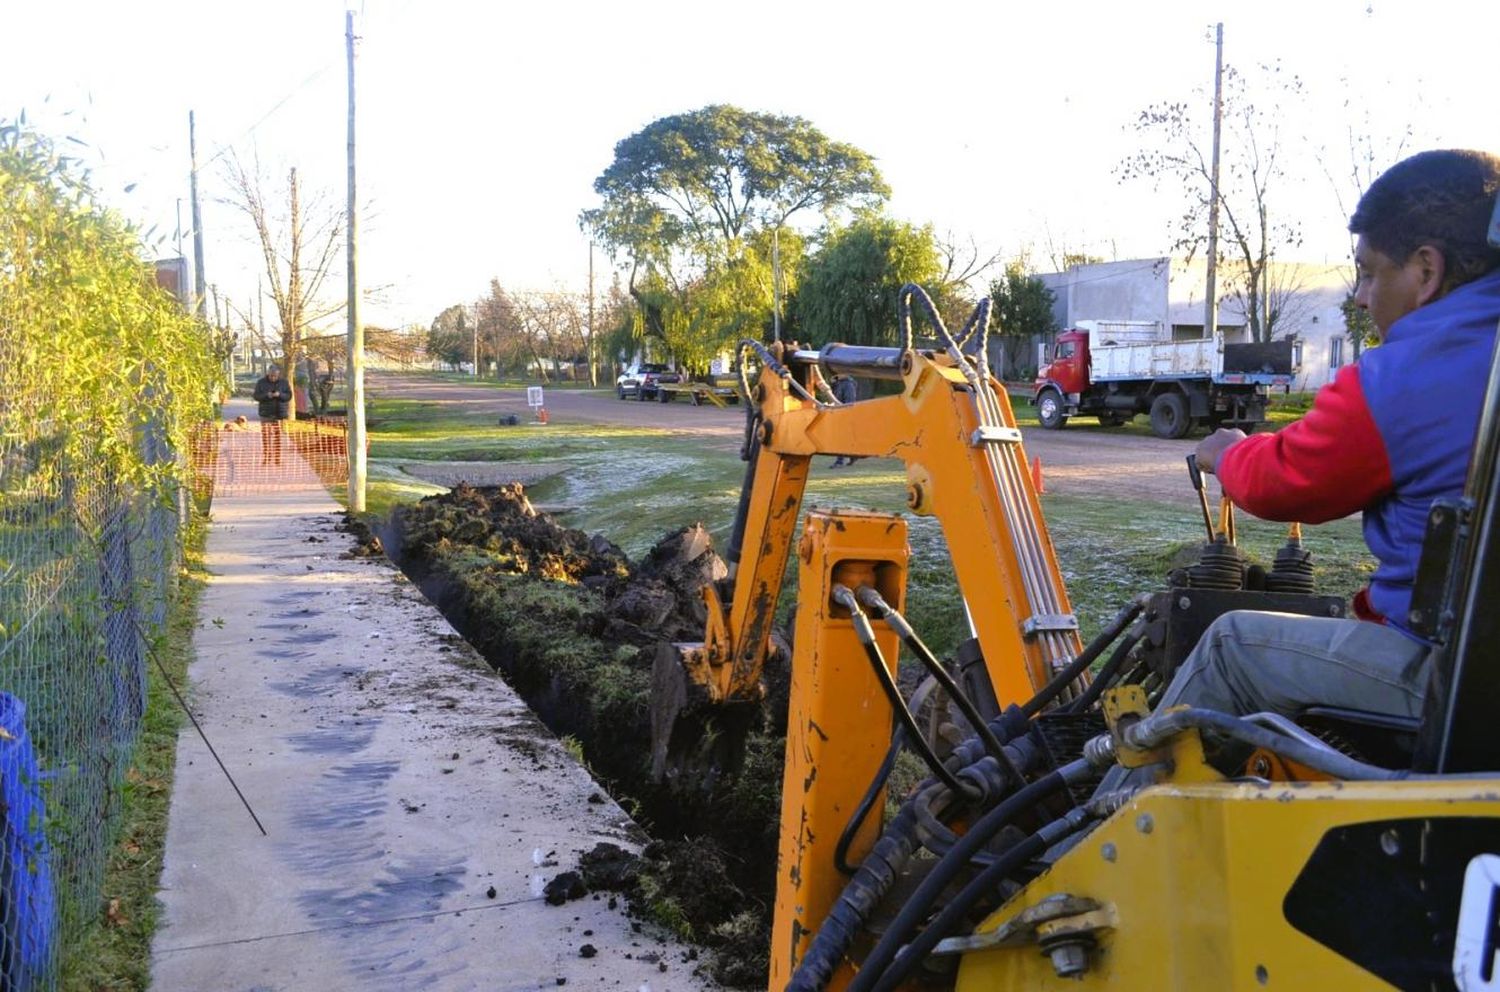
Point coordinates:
pixel 260 391
pixel 1325 466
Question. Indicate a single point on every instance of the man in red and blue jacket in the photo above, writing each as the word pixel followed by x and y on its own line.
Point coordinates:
pixel 1386 437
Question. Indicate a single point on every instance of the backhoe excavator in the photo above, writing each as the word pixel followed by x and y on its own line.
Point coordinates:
pixel 1346 852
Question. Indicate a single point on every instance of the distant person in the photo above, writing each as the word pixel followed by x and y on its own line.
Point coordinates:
pixel 845 390
pixel 274 396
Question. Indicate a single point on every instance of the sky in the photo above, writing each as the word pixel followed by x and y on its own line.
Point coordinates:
pixel 481 126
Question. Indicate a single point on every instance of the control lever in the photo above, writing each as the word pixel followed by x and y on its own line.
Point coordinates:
pixel 1196 474
pixel 1226 519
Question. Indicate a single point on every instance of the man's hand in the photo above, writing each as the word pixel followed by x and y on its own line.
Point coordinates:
pixel 1210 448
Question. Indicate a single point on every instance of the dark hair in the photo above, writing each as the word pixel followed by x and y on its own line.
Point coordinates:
pixel 1441 198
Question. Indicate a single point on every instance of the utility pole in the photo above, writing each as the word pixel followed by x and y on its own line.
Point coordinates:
pixel 1211 303
pixel 476 342
pixel 201 307
pixel 776 283
pixel 356 351
pixel 593 369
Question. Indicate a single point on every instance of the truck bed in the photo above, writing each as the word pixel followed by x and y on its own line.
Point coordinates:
pixel 1205 358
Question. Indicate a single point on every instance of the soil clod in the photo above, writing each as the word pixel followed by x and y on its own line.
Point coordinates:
pixel 568 885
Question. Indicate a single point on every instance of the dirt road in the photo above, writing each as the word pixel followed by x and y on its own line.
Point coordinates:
pixel 1077 460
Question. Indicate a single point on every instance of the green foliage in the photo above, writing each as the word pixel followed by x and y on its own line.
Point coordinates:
pixel 1023 304
pixel 450 339
pixel 708 176
pixel 847 291
pixel 690 204
pixel 91 347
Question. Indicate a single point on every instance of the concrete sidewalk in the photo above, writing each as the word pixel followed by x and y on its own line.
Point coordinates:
pixel 413 806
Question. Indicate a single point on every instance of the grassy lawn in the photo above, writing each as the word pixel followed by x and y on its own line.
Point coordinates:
pixel 114 954
pixel 635 484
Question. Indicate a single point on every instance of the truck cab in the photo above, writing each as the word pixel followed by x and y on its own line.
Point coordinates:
pixel 1068 371
pixel 1061 382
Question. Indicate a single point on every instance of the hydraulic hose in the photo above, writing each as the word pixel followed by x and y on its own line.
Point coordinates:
pixel 1086 657
pixel 866 634
pixel 982 884
pixel 898 738
pixel 1157 729
pixel 869 885
pixel 1106 675
pixel 948 867
pixel 872 599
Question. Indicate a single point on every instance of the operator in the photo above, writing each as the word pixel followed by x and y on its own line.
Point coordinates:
pixel 1388 436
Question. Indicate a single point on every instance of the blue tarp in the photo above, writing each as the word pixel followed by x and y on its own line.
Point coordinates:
pixel 26 893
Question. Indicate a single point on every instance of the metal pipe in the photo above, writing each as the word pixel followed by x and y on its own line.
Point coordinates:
pixel 862 360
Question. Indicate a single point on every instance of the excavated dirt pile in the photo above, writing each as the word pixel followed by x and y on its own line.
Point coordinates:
pixel 574 625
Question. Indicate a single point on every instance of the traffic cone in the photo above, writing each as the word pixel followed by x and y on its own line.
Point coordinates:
pixel 1036 474
pixel 541 415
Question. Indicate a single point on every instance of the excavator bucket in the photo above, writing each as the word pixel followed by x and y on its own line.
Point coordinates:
pixel 697 742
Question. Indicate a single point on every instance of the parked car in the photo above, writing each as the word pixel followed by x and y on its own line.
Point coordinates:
pixel 640 381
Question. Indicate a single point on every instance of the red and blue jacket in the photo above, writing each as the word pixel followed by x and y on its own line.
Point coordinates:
pixel 1388 436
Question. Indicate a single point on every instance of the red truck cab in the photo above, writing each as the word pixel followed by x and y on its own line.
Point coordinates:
pixel 1069 369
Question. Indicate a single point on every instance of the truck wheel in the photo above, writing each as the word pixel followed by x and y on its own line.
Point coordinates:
pixel 621 391
pixel 1049 409
pixel 1169 416
pixel 640 393
pixel 662 395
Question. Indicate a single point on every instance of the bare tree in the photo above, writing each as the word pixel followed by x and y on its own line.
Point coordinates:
pixel 1280 295
pixel 1251 171
pixel 299 243
pixel 963 263
pixel 1350 168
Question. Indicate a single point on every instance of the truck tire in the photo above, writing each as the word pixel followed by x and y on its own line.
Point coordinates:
pixel 640 393
pixel 1049 409
pixel 1169 416
pixel 662 395
pixel 620 391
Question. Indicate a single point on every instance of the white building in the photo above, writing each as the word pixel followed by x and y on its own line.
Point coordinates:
pixel 1304 298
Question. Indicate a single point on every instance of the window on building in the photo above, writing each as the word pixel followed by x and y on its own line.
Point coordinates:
pixel 1297 353
pixel 1335 353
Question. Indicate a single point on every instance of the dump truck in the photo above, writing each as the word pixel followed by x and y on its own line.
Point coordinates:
pixel 1116 370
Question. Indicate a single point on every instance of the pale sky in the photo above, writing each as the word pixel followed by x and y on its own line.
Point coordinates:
pixel 483 125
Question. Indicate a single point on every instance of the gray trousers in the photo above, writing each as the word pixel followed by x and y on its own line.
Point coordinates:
pixel 1252 662
pixel 1249 662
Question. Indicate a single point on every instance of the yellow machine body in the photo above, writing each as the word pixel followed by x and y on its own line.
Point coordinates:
pixel 1190 884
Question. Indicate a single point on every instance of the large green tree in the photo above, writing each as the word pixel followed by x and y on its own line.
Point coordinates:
pixel 692 203
pixel 847 290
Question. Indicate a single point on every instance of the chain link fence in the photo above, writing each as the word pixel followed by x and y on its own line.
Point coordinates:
pixel 86 565
pixel 101 375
